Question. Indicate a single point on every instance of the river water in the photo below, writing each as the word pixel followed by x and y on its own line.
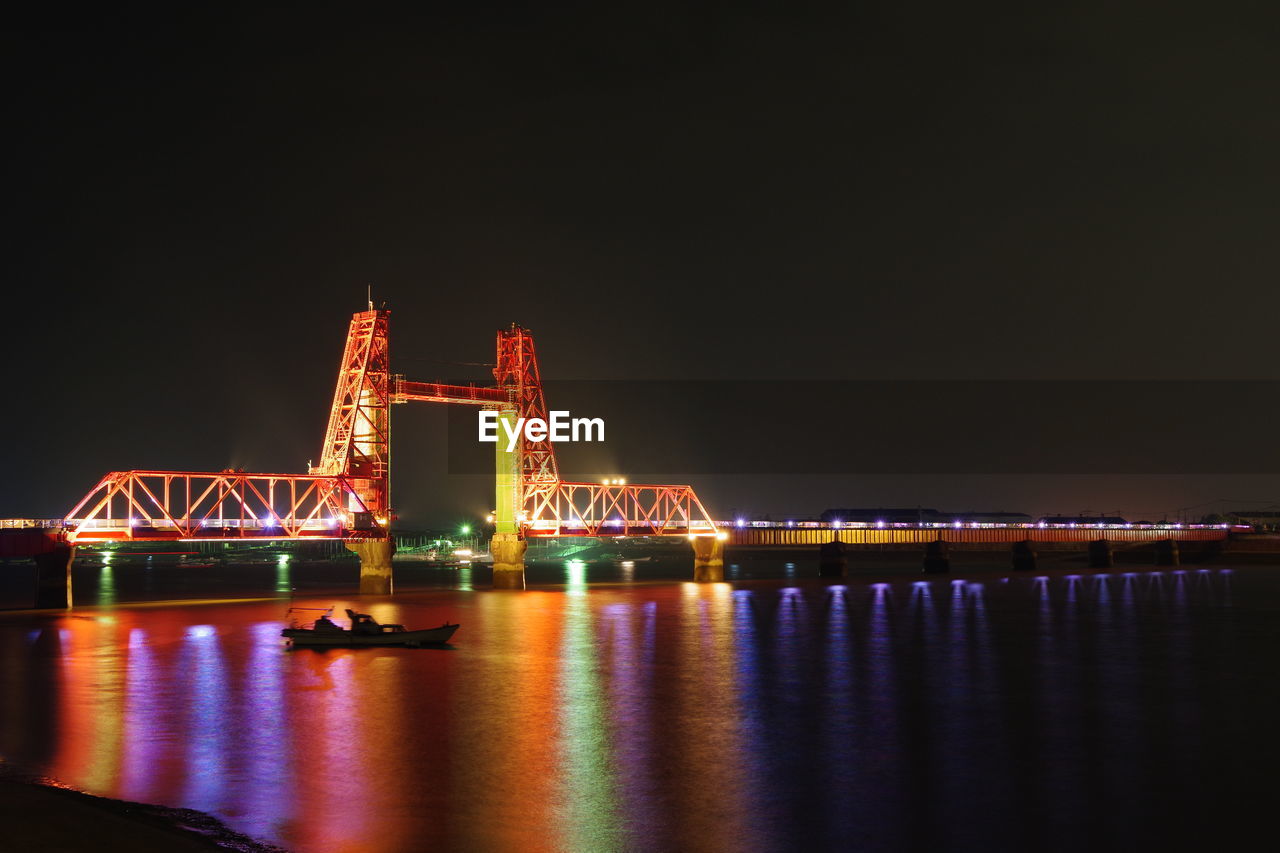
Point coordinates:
pixel 615 707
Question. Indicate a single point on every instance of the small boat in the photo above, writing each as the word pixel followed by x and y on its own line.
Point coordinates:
pixel 365 631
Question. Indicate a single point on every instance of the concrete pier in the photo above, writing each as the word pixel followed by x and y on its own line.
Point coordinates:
pixel 1024 556
pixel 708 559
pixel 1167 553
pixel 937 559
pixel 508 560
pixel 53 577
pixel 375 565
pixel 832 562
pixel 1100 556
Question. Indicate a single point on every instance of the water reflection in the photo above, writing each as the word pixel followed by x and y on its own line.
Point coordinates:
pixel 106 584
pixel 789 714
pixel 589 818
pixel 203 667
pixel 283 582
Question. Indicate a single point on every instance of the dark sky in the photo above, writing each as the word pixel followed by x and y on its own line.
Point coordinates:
pixel 195 201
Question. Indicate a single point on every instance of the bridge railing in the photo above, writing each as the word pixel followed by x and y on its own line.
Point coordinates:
pixel 971 525
pixel 31 523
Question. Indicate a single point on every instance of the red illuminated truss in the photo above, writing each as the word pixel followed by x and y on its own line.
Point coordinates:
pixel 594 509
pixel 347 495
pixel 167 505
pixel 357 443
pixel 517 374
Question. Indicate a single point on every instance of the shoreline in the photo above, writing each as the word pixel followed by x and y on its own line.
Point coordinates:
pixel 39 813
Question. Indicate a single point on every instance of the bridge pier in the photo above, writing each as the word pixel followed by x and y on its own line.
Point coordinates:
pixel 375 565
pixel 1100 556
pixel 53 577
pixel 1167 553
pixel 832 562
pixel 708 559
pixel 937 560
pixel 1024 556
pixel 508 560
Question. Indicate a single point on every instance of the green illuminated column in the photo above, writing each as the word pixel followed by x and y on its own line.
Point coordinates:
pixel 506 546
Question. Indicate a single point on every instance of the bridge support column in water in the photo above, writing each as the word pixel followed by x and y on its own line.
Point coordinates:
pixel 832 562
pixel 507 546
pixel 708 559
pixel 508 560
pixel 375 565
pixel 53 577
pixel 1100 556
pixel 1167 553
pixel 937 559
pixel 1024 556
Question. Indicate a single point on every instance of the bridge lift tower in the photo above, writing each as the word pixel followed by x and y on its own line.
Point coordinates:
pixel 530 498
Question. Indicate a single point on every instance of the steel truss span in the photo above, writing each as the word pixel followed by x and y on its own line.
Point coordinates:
pixel 189 505
pixel 593 509
pixel 347 495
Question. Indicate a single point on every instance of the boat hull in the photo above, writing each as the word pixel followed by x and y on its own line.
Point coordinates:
pixel 428 637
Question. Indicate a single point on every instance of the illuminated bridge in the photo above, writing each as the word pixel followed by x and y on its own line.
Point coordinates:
pixel 347 495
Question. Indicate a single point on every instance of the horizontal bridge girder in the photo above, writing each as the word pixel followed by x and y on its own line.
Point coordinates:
pixel 437 392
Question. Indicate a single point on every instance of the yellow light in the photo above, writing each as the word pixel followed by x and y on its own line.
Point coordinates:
pixel 489 518
pixel 722 536
pixel 622 481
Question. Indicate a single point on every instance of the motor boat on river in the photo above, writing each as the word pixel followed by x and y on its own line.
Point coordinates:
pixel 364 631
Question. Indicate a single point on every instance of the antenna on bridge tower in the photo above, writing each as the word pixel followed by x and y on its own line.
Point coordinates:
pixel 369 295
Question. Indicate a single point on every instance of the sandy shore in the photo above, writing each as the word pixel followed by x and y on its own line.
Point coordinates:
pixel 37 816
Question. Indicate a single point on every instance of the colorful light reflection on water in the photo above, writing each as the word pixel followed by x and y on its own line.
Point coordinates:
pixel 764 715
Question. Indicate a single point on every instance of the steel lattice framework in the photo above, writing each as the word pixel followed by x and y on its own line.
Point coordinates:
pixel 595 509
pixel 517 374
pixel 357 442
pixel 347 495
pixel 189 505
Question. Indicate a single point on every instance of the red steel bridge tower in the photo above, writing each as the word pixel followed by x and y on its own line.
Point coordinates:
pixel 347 494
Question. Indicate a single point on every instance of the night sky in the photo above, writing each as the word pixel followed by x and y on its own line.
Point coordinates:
pixel 782 192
